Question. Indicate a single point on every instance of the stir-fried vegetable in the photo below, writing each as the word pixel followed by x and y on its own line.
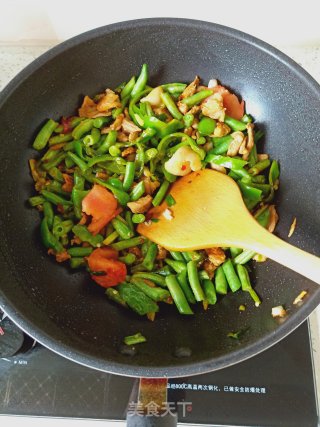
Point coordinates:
pixel 99 174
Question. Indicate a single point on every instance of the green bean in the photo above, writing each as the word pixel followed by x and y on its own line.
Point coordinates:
pixel 195 99
pixel 60 138
pixel 36 200
pixel 122 228
pixel 259 167
pixel 56 187
pixel 125 244
pixel 129 175
pixel 77 262
pixel 134 339
pixel 250 192
pixel 116 183
pixel 274 174
pixel 69 163
pixel 209 291
pixel 82 128
pixel 136 299
pixel 58 129
pixel 93 138
pixel 193 256
pixel 151 154
pixel 177 256
pixel 114 295
pixel 48 239
pixel 194 281
pixel 255 297
pixel 203 275
pixel 259 179
pixel 48 213
pixel 146 135
pixel 61 228
pixel 56 174
pixel 128 88
pixel 235 252
pixel 128 218
pixel 128 259
pixel 244 257
pixel 174 87
pixel 114 151
pixel 54 162
pixel 247 118
pixel 177 266
pixel 188 120
pixel 221 144
pixel 141 82
pixel 137 191
pixel 171 106
pixel 170 200
pixel 168 176
pixel 122 197
pixel 258 135
pixel 79 251
pixel 220 281
pixel 79 162
pixel 138 218
pixel 98 122
pixel 235 124
pixel 201 140
pixel 227 162
pixel 186 140
pixel 186 256
pixel 178 295
pixel 154 277
pixel 206 126
pixel 111 238
pixel 149 110
pixel 69 146
pixel 183 282
pixel 253 157
pixel 164 271
pixel 244 277
pixel 50 155
pixel 109 140
pixel 77 196
pixel 161 193
pixel 231 276
pixel 84 235
pixel 55 198
pixel 44 135
pixel 155 293
pixel 150 257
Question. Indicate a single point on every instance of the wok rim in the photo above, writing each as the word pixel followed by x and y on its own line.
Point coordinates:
pixel 187 369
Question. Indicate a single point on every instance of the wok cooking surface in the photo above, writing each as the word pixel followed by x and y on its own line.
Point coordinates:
pixel 66 311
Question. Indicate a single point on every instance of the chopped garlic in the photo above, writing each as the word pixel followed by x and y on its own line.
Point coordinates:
pixel 292 227
pixel 278 311
pixel 154 97
pixel 183 161
pixel 212 83
pixel 260 258
pixel 300 297
pixel 167 213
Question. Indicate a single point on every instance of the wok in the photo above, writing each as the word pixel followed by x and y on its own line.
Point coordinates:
pixel 66 311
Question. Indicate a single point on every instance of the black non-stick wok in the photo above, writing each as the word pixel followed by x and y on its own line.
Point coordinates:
pixel 68 312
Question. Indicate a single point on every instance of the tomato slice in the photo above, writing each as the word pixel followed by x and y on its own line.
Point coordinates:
pixel 101 205
pixel 105 261
pixel 234 108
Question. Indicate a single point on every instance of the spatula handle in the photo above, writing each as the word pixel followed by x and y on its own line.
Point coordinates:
pixel 282 252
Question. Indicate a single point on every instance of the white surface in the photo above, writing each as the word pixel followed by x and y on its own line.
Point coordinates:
pixel 274 21
pixel 13 59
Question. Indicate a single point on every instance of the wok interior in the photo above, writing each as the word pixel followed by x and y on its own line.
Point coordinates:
pixel 66 310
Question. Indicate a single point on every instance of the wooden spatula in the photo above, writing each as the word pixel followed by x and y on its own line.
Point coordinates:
pixel 209 212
